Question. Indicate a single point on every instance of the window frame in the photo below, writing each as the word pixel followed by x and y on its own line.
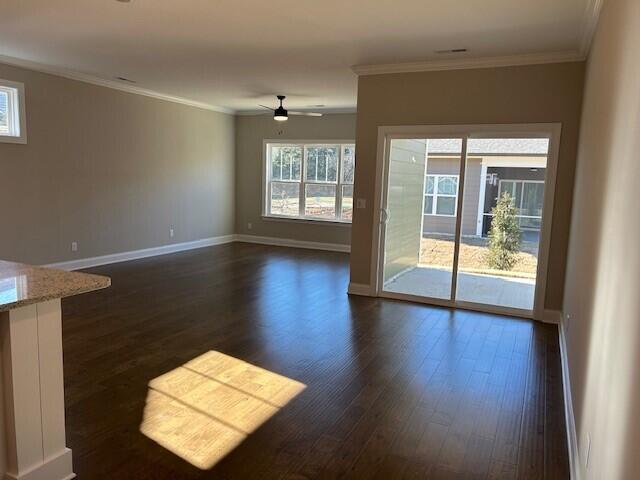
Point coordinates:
pixel 16 111
pixel 267 180
pixel 436 194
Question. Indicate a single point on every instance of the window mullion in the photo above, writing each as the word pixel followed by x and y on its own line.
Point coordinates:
pixel 267 208
pixel 339 182
pixel 436 181
pixel 303 185
pixel 326 168
pixel 455 195
pixel 12 118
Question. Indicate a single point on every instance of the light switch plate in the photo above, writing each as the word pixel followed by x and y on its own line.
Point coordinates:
pixel 361 203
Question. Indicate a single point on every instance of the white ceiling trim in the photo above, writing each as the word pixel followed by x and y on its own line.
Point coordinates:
pixel 82 77
pixel 468 63
pixel 591 16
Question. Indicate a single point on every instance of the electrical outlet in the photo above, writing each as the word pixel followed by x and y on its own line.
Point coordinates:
pixel 171 232
pixel 361 203
pixel 74 246
pixel 588 453
pixel 249 226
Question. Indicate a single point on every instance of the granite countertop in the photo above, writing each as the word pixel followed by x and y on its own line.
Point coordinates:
pixel 22 284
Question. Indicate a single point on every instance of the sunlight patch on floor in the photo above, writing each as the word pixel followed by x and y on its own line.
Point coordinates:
pixel 205 408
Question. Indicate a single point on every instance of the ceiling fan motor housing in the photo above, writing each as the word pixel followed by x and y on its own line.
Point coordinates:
pixel 280 114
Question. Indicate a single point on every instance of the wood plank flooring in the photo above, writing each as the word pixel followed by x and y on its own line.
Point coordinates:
pixel 393 390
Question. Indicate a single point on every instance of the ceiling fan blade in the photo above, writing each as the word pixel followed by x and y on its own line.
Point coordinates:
pixel 306 114
pixel 264 106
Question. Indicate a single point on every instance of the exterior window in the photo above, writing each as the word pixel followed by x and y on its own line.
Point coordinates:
pixel 310 181
pixel 528 197
pixel 12 112
pixel 441 195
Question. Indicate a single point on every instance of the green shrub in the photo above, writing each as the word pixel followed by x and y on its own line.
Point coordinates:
pixel 504 236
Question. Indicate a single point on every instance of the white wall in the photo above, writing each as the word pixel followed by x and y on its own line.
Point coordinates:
pixel 602 293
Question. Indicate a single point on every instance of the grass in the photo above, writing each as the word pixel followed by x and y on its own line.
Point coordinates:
pixel 320 207
pixel 437 250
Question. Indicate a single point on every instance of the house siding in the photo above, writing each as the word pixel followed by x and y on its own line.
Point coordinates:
pixel 451 166
pixel 404 204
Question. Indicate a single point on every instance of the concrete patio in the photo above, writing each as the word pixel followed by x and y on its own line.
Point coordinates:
pixel 484 289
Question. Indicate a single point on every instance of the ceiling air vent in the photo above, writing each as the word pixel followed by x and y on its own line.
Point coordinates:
pixel 453 50
pixel 125 79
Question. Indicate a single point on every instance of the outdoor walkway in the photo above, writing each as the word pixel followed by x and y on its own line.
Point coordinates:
pixel 486 289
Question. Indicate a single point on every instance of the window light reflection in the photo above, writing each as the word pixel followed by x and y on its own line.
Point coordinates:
pixel 205 408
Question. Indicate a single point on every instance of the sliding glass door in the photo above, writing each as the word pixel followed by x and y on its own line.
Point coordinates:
pixel 462 218
pixel 421 213
pixel 498 260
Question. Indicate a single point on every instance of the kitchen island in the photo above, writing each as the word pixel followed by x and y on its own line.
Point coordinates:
pixel 32 426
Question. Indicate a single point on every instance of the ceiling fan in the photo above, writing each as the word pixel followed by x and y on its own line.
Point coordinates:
pixel 281 114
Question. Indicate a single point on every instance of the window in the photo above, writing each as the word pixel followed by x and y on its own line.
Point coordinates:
pixel 312 181
pixel 441 195
pixel 12 114
pixel 528 198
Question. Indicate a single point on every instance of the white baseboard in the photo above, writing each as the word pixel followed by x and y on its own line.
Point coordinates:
pixel 359 289
pixel 144 253
pixel 59 467
pixel 180 247
pixel 287 242
pixel 551 316
pixel 572 437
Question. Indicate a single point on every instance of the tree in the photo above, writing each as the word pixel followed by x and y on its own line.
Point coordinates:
pixel 504 236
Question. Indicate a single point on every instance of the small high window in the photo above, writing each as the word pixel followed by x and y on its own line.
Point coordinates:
pixel 12 113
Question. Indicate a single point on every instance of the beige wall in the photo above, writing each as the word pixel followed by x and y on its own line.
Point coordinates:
pixel 251 131
pixel 111 170
pixel 404 205
pixel 529 94
pixel 603 272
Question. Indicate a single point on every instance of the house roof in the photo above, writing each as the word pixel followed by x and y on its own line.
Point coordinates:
pixel 491 146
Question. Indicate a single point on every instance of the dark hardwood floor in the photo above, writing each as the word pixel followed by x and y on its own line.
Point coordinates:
pixel 393 390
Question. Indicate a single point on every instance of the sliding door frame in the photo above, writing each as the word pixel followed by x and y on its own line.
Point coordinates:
pixel 536 130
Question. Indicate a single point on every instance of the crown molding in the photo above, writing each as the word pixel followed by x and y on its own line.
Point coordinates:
pixel 469 63
pixel 101 82
pixel 589 25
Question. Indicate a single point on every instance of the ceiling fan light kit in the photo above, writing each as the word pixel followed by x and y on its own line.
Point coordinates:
pixel 281 114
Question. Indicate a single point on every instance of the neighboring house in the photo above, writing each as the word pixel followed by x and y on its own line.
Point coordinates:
pixel 516 166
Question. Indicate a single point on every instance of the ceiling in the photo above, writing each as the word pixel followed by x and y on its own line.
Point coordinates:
pixel 235 54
